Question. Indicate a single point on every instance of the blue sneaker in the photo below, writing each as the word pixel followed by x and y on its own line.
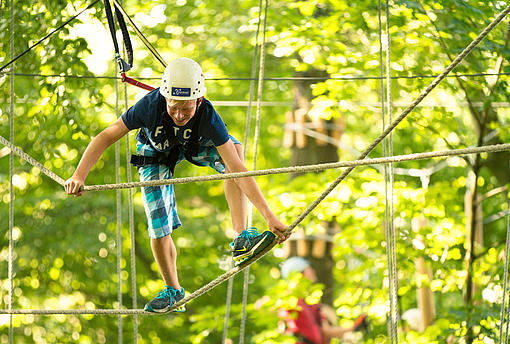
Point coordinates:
pixel 249 243
pixel 164 301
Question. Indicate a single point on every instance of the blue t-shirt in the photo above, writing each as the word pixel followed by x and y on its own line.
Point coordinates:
pixel 148 113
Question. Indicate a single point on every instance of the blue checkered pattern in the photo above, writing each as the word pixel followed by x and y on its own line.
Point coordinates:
pixel 159 201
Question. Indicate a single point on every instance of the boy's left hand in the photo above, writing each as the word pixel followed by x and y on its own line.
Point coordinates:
pixel 278 229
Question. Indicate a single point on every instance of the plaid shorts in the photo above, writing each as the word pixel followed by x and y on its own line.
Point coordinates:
pixel 159 201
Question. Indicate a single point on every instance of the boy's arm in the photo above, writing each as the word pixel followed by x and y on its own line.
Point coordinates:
pixel 250 188
pixel 95 149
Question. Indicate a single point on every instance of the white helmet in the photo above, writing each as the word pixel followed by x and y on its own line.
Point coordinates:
pixel 294 264
pixel 182 79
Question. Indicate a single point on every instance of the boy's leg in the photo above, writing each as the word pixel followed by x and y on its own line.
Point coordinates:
pixel 161 211
pixel 165 254
pixel 236 199
pixel 248 242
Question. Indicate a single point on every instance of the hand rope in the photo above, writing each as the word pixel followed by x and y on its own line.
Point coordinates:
pixel 31 160
pixel 306 168
pixel 281 170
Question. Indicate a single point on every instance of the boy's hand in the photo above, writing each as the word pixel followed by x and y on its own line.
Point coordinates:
pixel 73 186
pixel 278 229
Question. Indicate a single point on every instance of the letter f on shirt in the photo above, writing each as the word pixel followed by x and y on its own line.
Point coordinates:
pixel 158 131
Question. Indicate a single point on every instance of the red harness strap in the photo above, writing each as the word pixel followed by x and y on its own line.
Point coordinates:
pixel 136 83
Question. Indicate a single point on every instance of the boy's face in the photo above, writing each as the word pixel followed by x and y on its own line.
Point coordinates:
pixel 181 111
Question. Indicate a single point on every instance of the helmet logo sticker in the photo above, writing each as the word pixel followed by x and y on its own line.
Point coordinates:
pixel 181 91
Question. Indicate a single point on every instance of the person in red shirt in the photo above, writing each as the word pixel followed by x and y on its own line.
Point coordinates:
pixel 311 326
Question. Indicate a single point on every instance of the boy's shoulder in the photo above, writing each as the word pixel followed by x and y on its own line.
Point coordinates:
pixel 154 98
pixel 208 109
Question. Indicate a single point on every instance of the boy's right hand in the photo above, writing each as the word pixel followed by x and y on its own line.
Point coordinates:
pixel 73 186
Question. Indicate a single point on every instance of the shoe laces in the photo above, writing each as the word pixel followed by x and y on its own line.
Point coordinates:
pixel 167 293
pixel 250 232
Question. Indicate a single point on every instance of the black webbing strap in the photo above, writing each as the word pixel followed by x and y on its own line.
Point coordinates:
pixel 123 65
pixel 141 160
pixel 139 33
pixel 125 37
pixel 111 24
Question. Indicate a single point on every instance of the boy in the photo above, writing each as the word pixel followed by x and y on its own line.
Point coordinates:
pixel 176 122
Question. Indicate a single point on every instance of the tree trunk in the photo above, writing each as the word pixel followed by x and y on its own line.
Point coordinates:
pixel 474 229
pixel 424 294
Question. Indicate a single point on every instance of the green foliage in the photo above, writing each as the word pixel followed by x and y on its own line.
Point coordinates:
pixel 65 249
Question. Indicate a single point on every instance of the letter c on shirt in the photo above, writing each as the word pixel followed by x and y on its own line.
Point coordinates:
pixel 187 134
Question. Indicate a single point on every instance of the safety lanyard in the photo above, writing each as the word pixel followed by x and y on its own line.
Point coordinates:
pixel 123 65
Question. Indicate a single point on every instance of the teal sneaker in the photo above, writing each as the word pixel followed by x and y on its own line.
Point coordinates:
pixel 249 243
pixel 165 300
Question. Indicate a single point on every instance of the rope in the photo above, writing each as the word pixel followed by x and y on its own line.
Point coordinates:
pixel 230 285
pixel 507 323
pixel 306 168
pixel 260 87
pixel 131 231
pixel 139 33
pixel 505 280
pixel 391 328
pixel 31 160
pixel 296 78
pixel 45 37
pixel 330 188
pixel 388 177
pixel 119 218
pixel 242 327
pixel 404 114
pixel 77 311
pixel 11 174
pixel 131 225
